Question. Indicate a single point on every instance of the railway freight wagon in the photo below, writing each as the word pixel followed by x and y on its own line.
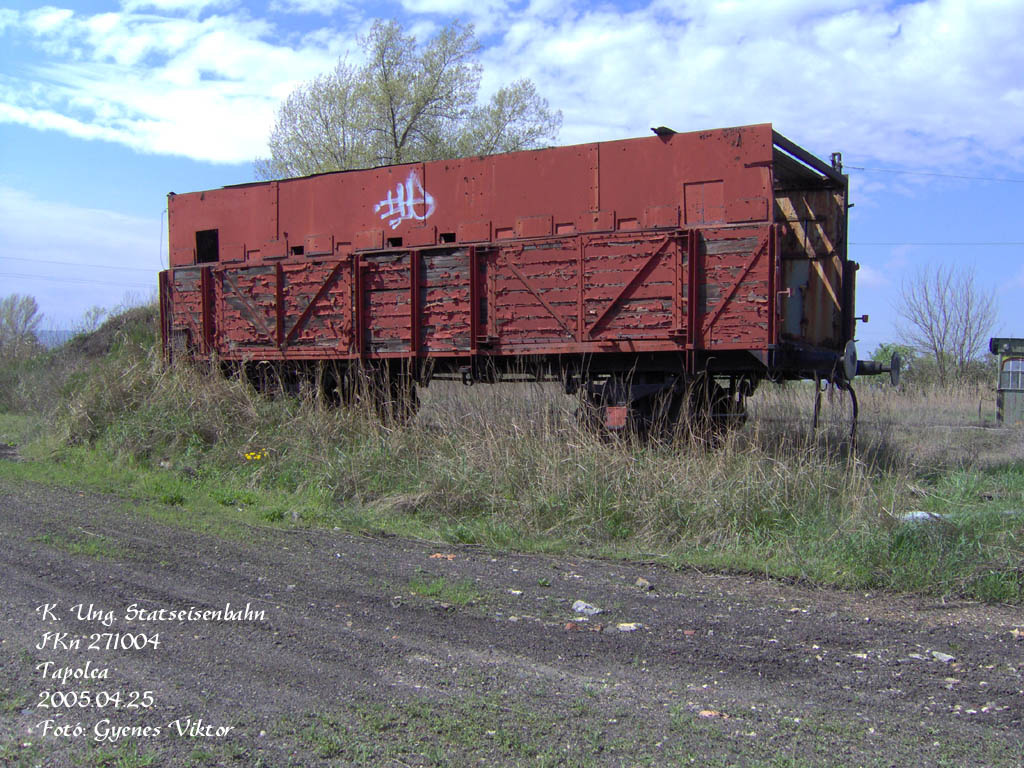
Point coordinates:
pixel 656 276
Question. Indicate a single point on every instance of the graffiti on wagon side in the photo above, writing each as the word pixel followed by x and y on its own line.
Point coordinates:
pixel 407 200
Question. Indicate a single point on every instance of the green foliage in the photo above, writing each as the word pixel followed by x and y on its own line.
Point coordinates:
pixel 515 470
pixel 883 353
pixel 19 324
pixel 92 319
pixel 458 593
pixel 89 545
pixel 946 317
pixel 406 103
pixel 922 371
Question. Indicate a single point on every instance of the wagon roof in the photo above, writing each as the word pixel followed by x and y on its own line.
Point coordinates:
pixel 793 164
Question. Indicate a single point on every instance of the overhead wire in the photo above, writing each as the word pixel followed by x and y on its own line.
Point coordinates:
pixel 990 243
pixel 960 243
pixel 934 173
pixel 950 243
pixel 78 264
pixel 78 281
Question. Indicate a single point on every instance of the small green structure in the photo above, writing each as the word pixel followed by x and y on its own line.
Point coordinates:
pixel 1010 389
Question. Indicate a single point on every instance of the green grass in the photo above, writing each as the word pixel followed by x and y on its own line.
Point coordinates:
pixel 549 728
pixel 432 733
pixel 18 428
pixel 32 754
pixel 124 755
pixel 208 503
pixel 507 467
pixel 11 702
pixel 21 754
pixel 89 545
pixel 818 520
pixel 457 593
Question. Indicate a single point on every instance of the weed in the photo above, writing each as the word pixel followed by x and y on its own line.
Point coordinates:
pixel 458 593
pixel 125 755
pixel 12 702
pixel 89 545
pixel 18 754
pixel 199 757
pixel 510 467
pixel 323 736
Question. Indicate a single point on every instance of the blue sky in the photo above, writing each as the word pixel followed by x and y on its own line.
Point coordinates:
pixel 107 106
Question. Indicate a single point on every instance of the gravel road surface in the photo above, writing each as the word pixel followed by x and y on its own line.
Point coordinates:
pixel 351 650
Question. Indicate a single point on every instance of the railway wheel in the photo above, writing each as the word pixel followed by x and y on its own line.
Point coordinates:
pixel 713 410
pixel 590 413
pixel 401 402
pixel 646 406
pixel 389 390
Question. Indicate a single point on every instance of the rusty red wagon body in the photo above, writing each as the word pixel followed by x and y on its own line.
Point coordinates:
pixel 625 268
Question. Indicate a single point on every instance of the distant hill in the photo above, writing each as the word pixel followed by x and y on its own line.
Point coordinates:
pixel 54 338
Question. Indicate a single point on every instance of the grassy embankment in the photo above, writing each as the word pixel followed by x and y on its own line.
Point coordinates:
pixel 507 466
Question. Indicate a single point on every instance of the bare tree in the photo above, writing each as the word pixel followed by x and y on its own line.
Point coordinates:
pixel 92 319
pixel 19 323
pixel 318 128
pixel 945 314
pixel 406 103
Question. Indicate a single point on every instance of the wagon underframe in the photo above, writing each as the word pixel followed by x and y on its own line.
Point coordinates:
pixel 626 270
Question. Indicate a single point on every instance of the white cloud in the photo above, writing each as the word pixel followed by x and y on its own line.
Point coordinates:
pixel 52 121
pixel 190 7
pixel 464 8
pixel 123 239
pixel 870 277
pixel 47 19
pixel 322 7
pixel 95 257
pixel 8 16
pixel 206 89
pixel 931 84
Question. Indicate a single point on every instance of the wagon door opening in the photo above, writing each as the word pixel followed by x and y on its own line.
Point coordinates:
pixel 1010 385
pixel 207 246
pixel 816 280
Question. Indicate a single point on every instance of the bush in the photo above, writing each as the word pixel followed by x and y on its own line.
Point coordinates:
pixel 510 466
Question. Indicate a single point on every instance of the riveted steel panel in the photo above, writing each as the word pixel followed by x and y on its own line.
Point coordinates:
pixel 681 243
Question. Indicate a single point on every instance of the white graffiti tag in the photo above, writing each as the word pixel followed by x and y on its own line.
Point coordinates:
pixel 402 202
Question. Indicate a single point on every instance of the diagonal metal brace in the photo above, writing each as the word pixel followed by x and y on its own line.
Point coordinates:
pixel 301 321
pixel 735 285
pixel 537 295
pixel 636 279
pixel 254 315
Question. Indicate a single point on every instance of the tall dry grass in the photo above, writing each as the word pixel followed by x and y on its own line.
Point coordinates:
pixel 510 465
pixel 504 458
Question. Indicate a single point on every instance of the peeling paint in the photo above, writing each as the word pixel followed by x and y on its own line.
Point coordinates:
pixel 666 247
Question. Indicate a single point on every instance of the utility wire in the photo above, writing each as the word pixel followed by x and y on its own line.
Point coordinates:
pixel 79 264
pixel 51 279
pixel 933 173
pixel 991 242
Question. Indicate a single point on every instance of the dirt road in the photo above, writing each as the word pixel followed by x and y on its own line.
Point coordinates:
pixel 348 650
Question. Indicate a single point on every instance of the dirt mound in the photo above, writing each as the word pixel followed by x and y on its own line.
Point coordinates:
pixel 359 648
pixel 136 324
